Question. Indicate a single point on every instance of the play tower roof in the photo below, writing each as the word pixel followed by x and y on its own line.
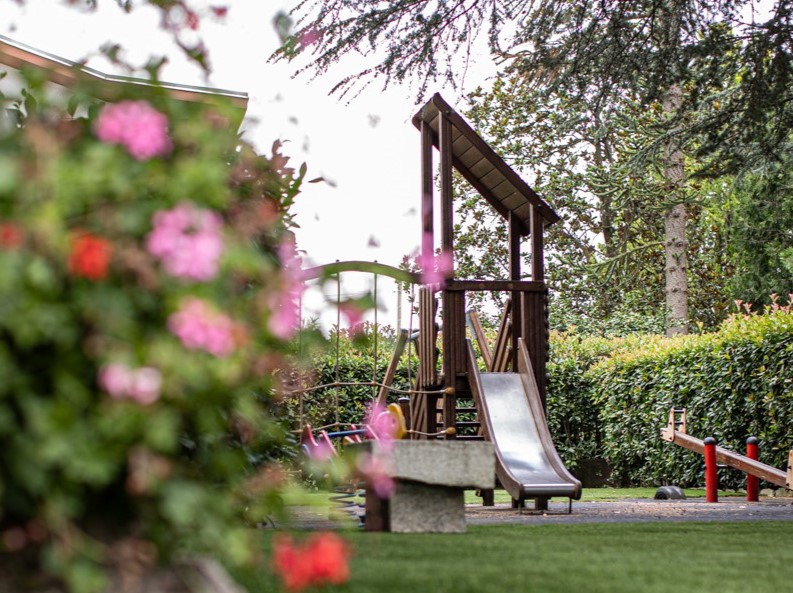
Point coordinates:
pixel 487 172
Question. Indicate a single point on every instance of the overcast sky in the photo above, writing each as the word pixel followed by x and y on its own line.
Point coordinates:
pixel 368 148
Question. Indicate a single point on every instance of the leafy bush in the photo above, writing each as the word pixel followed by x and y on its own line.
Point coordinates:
pixel 609 398
pixel 145 293
pixel 734 383
pixel 356 364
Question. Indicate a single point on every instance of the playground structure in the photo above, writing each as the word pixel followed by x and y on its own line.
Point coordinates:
pixel 675 432
pixel 508 401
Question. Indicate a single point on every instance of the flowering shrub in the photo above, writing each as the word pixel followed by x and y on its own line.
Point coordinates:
pixel 146 289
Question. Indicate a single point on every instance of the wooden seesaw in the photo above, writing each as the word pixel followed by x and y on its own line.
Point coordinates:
pixel 675 432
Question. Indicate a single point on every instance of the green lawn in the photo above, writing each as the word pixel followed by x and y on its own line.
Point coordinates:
pixel 590 558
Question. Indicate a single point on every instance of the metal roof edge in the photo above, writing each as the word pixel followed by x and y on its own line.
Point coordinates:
pixel 14 53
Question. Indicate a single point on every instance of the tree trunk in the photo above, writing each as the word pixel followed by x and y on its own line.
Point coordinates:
pixel 676 245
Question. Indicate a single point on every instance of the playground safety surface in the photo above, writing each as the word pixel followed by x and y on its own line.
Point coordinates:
pixel 635 511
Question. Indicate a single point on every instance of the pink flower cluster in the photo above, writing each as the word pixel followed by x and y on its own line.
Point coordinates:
pixel 200 327
pixel 136 126
pixel 188 241
pixel 434 268
pixel 284 304
pixel 375 467
pixel 141 385
pixel 382 426
pixel 376 471
pixel 354 314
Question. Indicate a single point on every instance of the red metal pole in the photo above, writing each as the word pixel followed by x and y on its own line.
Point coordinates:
pixel 752 482
pixel 711 477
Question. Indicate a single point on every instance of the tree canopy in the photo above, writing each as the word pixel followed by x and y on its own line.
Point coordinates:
pixel 598 50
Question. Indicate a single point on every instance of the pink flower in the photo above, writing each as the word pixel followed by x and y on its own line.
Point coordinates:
pixel 188 241
pixel 434 268
pixel 354 314
pixel 199 327
pixel 382 426
pixel 284 304
pixel 114 379
pixel 375 469
pixel 307 38
pixel 145 385
pixel 141 385
pixel 137 126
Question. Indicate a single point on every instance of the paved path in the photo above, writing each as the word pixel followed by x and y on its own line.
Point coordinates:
pixel 624 511
pixel 637 510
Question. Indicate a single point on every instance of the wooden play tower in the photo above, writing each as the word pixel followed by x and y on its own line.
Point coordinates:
pixel 526 315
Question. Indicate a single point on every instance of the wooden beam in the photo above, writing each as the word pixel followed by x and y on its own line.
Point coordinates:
pixel 514 275
pixel 501 349
pixel 537 252
pixel 390 372
pixel 479 334
pixel 447 206
pixel 789 479
pixel 494 286
pixel 736 460
pixel 427 231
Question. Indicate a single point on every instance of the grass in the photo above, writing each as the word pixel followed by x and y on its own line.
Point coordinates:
pixel 589 558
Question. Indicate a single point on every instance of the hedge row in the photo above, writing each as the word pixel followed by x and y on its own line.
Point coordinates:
pixel 608 399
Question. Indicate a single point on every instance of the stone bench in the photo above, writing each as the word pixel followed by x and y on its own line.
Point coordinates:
pixel 430 478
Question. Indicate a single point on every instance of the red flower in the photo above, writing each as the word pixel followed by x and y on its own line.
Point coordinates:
pixel 322 560
pixel 328 553
pixel 11 236
pixel 90 257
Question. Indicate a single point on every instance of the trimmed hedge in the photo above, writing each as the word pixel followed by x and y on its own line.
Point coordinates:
pixel 609 399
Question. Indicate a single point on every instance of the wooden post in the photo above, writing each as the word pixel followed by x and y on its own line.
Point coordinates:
pixel 752 482
pixel 453 302
pixel 390 372
pixel 711 475
pixel 447 207
pixel 514 274
pixel 427 231
pixel 536 331
pixel 534 307
pixel 537 253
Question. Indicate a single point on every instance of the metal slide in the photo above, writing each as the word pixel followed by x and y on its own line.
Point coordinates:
pixel 527 464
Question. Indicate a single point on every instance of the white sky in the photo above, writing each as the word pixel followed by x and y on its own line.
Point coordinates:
pixel 370 214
